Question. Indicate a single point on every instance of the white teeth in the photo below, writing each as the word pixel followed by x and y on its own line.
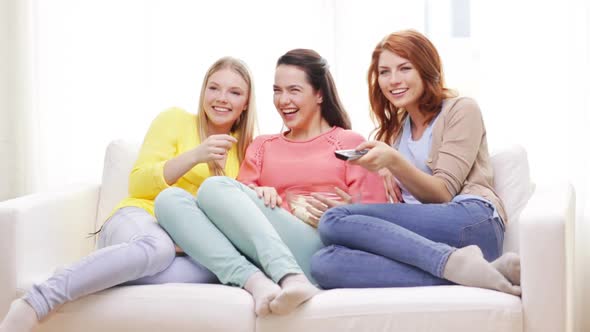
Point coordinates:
pixel 289 111
pixel 398 91
pixel 221 109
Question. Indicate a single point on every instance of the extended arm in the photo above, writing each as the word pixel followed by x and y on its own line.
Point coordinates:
pixel 425 187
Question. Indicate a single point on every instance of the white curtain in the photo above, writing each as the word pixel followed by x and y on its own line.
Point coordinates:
pixel 80 73
pixel 533 84
pixel 15 89
pixel 104 69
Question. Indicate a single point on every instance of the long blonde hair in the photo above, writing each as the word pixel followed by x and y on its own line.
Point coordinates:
pixel 246 125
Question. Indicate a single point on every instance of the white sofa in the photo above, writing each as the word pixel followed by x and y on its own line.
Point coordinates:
pixel 43 231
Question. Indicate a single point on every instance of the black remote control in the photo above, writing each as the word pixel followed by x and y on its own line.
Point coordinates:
pixel 350 154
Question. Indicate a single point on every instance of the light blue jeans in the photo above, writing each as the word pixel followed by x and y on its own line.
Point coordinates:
pixel 132 249
pixel 401 245
pixel 229 230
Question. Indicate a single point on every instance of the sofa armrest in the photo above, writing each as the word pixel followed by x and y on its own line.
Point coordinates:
pixel 41 231
pixel 546 249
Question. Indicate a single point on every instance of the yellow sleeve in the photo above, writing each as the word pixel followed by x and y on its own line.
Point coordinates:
pixel 159 145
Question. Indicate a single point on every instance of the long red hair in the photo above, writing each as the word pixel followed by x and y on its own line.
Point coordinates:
pixel 416 48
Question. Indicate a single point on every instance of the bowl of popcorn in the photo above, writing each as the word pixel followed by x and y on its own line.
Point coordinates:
pixel 308 208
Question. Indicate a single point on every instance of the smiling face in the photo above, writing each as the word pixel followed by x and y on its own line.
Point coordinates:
pixel 295 99
pixel 399 81
pixel 226 97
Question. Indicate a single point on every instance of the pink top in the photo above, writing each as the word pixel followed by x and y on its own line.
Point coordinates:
pixel 275 161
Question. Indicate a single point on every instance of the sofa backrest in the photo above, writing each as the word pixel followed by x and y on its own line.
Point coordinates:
pixel 512 182
pixel 118 162
pixel 511 169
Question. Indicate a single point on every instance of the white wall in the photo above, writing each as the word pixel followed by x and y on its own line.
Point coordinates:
pixel 105 69
pixel 18 122
pixel 359 28
pixel 533 74
pixel 106 73
pixel 7 134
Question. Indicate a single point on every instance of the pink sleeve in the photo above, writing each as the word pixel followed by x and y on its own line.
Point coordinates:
pixel 250 169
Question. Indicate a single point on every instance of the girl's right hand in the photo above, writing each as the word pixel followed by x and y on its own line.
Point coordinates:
pixel 268 194
pixel 215 147
pixel 392 189
pixel 380 156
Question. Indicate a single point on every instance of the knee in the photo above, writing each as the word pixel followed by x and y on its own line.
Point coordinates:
pixel 166 202
pixel 213 182
pixel 329 221
pixel 159 252
pixel 324 267
pixel 212 188
pixel 171 195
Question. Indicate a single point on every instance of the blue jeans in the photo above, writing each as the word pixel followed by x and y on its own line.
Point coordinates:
pixel 400 245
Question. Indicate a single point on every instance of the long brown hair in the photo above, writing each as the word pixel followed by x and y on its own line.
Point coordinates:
pixel 416 48
pixel 318 75
pixel 246 125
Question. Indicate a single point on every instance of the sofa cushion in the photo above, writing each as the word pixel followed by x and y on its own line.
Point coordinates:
pixel 416 309
pixel 118 162
pixel 513 184
pixel 168 307
pixel 512 179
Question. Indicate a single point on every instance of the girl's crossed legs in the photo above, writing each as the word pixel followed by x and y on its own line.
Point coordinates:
pixel 229 230
pixel 398 245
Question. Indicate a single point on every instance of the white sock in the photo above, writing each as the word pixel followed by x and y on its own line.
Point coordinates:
pixel 296 289
pixel 466 266
pixel 263 291
pixel 20 317
pixel 509 265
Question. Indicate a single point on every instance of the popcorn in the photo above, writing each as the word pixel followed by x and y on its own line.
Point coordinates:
pixel 299 209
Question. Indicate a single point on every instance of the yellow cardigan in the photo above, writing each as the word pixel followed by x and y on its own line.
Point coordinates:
pixel 173 132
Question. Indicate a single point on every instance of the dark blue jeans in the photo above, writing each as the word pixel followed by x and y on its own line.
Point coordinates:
pixel 400 245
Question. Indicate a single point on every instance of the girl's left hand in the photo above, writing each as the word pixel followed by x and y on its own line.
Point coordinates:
pixel 268 194
pixel 392 189
pixel 380 156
